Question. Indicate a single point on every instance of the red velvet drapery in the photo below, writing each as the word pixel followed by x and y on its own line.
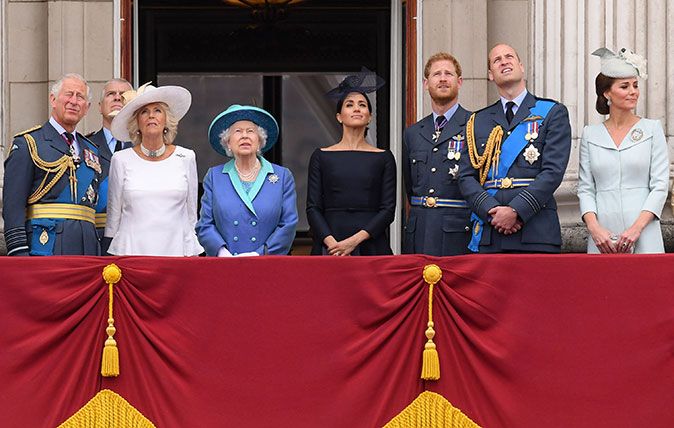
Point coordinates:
pixel 524 341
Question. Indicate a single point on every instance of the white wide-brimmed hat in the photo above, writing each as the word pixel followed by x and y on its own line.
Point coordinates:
pixel 177 98
pixel 622 65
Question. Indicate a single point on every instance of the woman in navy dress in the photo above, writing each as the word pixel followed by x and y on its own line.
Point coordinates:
pixel 351 194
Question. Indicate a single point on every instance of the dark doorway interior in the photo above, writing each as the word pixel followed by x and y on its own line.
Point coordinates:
pixel 225 55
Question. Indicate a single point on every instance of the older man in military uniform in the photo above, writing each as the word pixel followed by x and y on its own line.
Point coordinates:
pixel 111 103
pixel 438 223
pixel 516 153
pixel 51 180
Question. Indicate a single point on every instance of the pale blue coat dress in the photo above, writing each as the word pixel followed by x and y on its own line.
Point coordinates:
pixel 617 183
pixel 262 219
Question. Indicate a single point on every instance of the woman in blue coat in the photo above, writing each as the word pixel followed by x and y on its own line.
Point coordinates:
pixel 249 204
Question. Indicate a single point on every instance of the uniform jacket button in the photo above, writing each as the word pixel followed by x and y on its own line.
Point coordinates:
pixel 236 239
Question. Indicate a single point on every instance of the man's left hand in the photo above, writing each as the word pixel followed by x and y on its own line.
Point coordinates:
pixel 504 220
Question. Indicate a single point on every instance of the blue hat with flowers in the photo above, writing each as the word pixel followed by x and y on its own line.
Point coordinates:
pixel 235 113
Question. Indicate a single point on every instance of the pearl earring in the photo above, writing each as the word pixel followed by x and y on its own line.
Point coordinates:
pixel 608 101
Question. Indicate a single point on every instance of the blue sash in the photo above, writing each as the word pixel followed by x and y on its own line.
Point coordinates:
pixel 509 153
pixel 85 176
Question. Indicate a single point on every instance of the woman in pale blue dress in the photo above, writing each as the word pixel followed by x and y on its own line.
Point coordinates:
pixel 624 167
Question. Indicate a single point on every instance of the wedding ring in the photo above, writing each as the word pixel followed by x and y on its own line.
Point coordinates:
pixel 613 237
pixel 625 244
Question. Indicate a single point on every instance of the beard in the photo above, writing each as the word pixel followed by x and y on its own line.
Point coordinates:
pixel 443 97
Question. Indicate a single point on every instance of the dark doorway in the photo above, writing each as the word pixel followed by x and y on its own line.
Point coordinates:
pixel 225 55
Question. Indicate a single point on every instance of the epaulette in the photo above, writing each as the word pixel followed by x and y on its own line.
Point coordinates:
pixel 546 99
pixel 28 131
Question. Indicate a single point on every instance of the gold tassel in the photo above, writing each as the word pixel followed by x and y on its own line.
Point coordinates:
pixel 110 363
pixel 430 367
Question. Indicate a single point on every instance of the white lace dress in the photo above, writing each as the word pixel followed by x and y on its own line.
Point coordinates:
pixel 152 206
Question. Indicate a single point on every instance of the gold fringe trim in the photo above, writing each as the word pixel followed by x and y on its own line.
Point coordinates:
pixel 107 410
pixel 110 361
pixel 430 367
pixel 431 410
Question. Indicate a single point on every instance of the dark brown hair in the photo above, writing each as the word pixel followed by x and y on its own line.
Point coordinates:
pixel 602 84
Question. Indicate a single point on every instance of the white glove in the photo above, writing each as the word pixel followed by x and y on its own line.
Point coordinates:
pixel 224 252
pixel 249 254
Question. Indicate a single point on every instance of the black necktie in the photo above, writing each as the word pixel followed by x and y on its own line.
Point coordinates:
pixel 118 145
pixel 509 112
pixel 440 122
pixel 70 139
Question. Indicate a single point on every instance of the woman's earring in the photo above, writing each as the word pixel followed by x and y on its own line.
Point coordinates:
pixel 608 101
pixel 138 132
pixel 165 130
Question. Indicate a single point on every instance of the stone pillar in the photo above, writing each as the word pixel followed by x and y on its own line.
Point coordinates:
pixel 563 36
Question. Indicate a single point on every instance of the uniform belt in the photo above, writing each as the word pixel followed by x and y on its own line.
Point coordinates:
pixel 507 183
pixel 66 211
pixel 101 219
pixel 433 202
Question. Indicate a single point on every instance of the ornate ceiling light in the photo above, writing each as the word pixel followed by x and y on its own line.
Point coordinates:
pixel 266 10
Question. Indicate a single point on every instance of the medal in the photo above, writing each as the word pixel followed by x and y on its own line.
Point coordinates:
pixel 44 237
pixel 454 171
pixel 91 160
pixel 454 147
pixel 531 154
pixel 532 132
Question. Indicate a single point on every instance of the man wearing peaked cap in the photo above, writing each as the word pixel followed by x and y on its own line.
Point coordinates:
pixel 515 158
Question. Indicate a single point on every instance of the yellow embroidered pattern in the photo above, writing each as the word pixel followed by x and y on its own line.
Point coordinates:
pixel 492 152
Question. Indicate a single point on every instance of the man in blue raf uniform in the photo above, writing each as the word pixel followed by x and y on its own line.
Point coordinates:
pixel 111 103
pixel 516 153
pixel 51 180
pixel 438 222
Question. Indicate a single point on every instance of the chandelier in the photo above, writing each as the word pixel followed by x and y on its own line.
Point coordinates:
pixel 265 10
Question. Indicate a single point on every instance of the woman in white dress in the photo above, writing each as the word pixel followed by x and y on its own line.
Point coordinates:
pixel 152 194
pixel 624 166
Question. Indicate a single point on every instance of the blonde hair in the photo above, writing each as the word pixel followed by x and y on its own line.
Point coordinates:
pixel 170 131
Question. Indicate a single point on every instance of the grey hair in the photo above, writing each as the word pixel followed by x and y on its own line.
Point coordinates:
pixel 224 139
pixel 171 125
pixel 114 80
pixel 56 87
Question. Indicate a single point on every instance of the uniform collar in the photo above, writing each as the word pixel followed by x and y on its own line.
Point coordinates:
pixel 247 197
pixel 448 114
pixel 517 100
pixel 59 129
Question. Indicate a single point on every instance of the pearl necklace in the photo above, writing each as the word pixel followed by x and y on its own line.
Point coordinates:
pixel 153 153
pixel 250 175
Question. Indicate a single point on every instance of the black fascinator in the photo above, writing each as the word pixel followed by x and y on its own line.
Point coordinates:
pixel 365 82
